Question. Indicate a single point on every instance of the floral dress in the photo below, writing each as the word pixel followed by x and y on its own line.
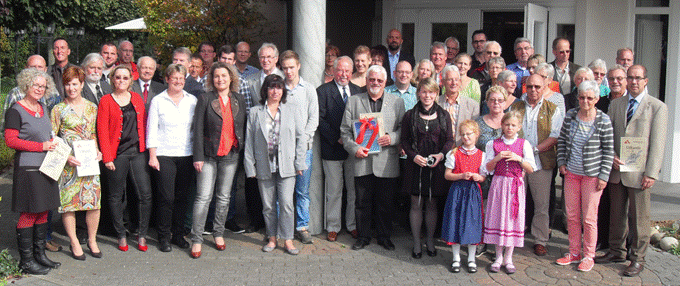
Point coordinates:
pixel 76 193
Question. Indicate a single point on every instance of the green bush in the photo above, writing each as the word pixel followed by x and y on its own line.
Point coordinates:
pixel 6 153
pixel 9 267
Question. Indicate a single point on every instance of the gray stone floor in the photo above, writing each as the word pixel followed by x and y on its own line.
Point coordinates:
pixel 323 262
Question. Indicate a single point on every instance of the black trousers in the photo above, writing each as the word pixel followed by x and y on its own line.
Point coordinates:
pixel 254 202
pixel 374 201
pixel 129 163
pixel 174 182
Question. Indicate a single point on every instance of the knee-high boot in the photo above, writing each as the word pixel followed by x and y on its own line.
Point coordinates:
pixel 39 234
pixel 25 243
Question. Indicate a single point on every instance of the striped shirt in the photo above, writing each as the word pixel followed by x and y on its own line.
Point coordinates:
pixel 575 162
pixel 598 151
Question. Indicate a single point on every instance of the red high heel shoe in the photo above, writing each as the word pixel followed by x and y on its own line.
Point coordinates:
pixel 141 245
pixel 196 254
pixel 122 247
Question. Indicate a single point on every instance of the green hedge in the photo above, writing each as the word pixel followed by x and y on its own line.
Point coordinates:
pixel 6 153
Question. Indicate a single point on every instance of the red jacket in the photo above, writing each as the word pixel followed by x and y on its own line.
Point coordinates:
pixel 110 125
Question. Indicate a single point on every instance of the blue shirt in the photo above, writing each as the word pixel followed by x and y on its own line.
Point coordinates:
pixel 247 71
pixel 394 60
pixel 409 96
pixel 520 72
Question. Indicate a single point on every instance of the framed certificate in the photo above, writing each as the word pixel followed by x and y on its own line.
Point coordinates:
pixel 85 151
pixel 367 131
pixel 633 154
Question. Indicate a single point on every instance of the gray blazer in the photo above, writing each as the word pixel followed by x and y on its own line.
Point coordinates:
pixel 155 88
pixel 255 84
pixel 649 122
pixel 91 95
pixel 469 109
pixel 386 163
pixel 292 147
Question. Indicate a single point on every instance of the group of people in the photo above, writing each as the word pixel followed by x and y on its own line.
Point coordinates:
pixel 458 130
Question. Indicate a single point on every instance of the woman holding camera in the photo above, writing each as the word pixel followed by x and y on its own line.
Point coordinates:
pixel 426 135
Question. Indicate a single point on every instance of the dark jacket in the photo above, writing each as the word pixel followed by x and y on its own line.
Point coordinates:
pixel 208 124
pixel 331 110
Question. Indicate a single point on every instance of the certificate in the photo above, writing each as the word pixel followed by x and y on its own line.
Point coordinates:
pixel 367 131
pixel 85 151
pixel 633 154
pixel 54 161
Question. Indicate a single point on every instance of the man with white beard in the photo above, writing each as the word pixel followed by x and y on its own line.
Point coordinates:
pixel 95 87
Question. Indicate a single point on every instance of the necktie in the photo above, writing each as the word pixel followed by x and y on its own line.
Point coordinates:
pixel 146 92
pixel 631 110
pixel 344 94
pixel 99 92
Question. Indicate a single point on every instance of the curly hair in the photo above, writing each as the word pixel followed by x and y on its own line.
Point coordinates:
pixel 27 77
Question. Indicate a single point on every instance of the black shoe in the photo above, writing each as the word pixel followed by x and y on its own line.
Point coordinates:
pixel 180 241
pixel 77 257
pixel 233 227
pixel 609 258
pixel 416 255
pixel 431 253
pixel 481 249
pixel 165 246
pixel 39 234
pixel 386 243
pixel 253 228
pixel 360 244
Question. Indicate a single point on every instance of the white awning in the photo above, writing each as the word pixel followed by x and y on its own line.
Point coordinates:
pixel 136 24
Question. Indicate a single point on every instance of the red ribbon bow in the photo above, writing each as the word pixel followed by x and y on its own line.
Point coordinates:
pixel 366 124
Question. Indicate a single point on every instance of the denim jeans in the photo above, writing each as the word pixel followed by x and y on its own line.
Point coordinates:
pixel 216 176
pixel 302 194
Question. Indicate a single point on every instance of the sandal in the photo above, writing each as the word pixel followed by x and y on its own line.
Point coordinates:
pixel 455 267
pixel 472 267
pixel 495 267
pixel 510 268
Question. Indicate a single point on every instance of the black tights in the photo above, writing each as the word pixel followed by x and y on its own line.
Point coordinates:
pixel 416 217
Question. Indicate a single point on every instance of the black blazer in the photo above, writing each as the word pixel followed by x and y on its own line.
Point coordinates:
pixel 403 56
pixel 193 87
pixel 208 124
pixel 91 95
pixel 331 110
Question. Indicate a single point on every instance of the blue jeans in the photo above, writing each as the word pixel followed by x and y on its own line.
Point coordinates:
pixel 302 194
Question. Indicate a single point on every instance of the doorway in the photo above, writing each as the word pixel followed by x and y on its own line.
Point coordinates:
pixel 504 28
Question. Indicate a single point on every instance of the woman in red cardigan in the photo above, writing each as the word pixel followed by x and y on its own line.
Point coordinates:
pixel 121 133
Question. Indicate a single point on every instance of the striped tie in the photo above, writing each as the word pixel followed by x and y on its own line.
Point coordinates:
pixel 631 110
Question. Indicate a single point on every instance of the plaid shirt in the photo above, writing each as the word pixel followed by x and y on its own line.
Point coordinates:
pixel 244 90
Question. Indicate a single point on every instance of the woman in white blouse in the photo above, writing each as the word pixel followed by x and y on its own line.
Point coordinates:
pixel 170 156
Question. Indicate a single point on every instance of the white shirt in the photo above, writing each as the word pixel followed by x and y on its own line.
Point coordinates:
pixel 141 85
pixel 526 149
pixel 168 126
pixel 450 162
pixel 530 125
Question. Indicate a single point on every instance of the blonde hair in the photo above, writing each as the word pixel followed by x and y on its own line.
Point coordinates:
pixel 512 114
pixel 470 124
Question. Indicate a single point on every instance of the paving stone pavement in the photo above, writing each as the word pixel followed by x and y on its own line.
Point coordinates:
pixel 334 263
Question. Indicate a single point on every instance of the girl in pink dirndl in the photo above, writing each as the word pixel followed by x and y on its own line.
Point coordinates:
pixel 508 158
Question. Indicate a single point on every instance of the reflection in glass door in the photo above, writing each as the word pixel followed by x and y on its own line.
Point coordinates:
pixel 651 41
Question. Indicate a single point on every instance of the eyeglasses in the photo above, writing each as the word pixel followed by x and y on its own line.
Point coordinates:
pixel 38 86
pixel 618 78
pixel 564 52
pixel 525 48
pixel 635 78
pixel 588 98
pixel 267 57
pixel 534 87
pixel 599 74
pixel 498 100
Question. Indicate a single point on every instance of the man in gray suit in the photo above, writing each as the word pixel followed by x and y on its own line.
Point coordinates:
pixel 375 174
pixel 144 86
pixel 643 116
pixel 269 56
pixel 95 85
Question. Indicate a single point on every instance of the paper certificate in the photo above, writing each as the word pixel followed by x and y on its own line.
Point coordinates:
pixel 85 151
pixel 633 154
pixel 367 131
pixel 54 161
